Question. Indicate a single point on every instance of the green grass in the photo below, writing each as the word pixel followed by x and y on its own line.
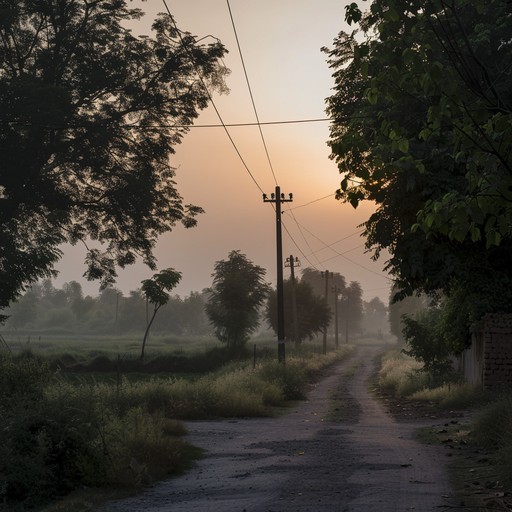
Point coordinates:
pixel 86 347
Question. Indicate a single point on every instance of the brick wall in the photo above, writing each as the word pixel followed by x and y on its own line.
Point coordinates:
pixel 488 361
pixel 497 338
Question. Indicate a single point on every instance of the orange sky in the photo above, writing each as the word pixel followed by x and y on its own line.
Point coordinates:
pixel 280 42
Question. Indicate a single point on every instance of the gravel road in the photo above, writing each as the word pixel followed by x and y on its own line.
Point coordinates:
pixel 301 462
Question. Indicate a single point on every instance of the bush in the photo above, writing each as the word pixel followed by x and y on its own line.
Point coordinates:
pixel 401 375
pixel 425 343
pixel 56 437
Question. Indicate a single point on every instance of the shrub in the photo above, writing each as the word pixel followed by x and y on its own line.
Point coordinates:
pixel 399 374
pixel 425 343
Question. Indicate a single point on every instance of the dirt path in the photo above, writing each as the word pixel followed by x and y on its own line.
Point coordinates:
pixel 301 462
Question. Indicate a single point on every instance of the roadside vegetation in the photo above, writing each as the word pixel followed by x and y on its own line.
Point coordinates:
pixel 487 461
pixel 67 430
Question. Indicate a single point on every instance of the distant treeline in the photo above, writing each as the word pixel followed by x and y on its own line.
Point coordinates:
pixel 46 308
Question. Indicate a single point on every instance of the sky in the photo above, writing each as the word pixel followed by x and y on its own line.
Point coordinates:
pixel 280 41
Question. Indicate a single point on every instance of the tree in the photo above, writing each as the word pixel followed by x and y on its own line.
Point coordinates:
pixel 313 314
pixel 236 295
pixel 317 282
pixel 352 308
pixel 375 316
pixel 90 116
pixel 156 290
pixel 421 125
pixel 409 306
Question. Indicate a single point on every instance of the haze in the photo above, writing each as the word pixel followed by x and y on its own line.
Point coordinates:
pixel 289 78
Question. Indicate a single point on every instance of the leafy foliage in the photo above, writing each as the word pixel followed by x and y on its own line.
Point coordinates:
pixel 313 314
pixel 237 293
pixel 90 116
pixel 156 290
pixel 407 306
pixel 422 126
pixel 351 300
pixel 56 437
pixel 425 343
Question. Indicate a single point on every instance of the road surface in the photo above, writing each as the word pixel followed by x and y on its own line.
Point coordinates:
pixel 301 462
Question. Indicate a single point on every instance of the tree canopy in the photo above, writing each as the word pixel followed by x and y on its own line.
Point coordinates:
pixel 313 314
pixel 422 126
pixel 237 293
pixel 90 115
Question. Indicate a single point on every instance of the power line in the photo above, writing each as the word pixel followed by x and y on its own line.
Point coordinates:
pixel 329 246
pixel 297 245
pixel 211 98
pixel 341 255
pixel 159 126
pixel 311 202
pixel 250 91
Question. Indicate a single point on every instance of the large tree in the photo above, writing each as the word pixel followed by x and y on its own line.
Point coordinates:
pixel 237 293
pixel 421 125
pixel 313 314
pixel 90 114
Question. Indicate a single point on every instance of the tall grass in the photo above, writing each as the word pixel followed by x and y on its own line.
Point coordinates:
pixel 493 430
pixel 457 395
pixel 400 374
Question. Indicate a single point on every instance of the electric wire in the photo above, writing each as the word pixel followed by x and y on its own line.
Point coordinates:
pixel 297 245
pixel 211 99
pixel 224 126
pixel 340 240
pixel 311 202
pixel 341 255
pixel 250 91
pixel 304 238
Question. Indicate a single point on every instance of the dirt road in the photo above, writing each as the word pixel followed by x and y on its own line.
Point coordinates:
pixel 301 462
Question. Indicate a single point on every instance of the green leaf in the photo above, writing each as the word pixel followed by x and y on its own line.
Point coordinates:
pixel 403 145
pixel 475 233
pixel 372 96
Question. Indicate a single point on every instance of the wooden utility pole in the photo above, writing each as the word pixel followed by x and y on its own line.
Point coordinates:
pixel 326 275
pixel 336 291
pixel 292 263
pixel 279 198
pixel 346 319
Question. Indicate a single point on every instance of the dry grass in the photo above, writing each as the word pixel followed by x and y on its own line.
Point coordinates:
pixel 400 375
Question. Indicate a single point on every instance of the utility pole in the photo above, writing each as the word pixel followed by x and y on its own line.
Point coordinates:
pixel 326 275
pixel 292 263
pixel 346 319
pixel 279 198
pixel 336 291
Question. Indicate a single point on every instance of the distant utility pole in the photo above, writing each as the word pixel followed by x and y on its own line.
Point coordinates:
pixel 346 319
pixel 279 198
pixel 292 263
pixel 336 291
pixel 326 275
